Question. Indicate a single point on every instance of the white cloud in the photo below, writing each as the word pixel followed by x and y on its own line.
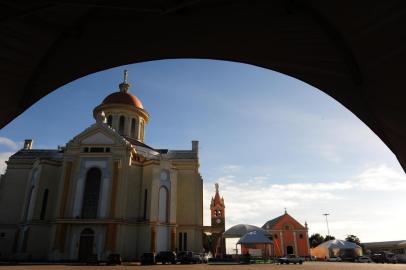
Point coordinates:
pixel 382 178
pixel 12 145
pixel 3 158
pixel 255 201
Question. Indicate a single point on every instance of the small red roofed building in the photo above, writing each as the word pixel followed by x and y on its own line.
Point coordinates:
pixel 288 235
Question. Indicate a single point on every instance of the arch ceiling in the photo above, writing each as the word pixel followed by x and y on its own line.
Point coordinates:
pixel 352 50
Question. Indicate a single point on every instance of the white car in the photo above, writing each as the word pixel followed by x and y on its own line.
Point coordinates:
pixel 363 259
pixel 334 259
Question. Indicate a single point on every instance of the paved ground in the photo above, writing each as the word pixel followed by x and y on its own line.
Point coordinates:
pixel 305 266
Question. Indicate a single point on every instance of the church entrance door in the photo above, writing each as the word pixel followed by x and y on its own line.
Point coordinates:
pixel 86 244
pixel 289 250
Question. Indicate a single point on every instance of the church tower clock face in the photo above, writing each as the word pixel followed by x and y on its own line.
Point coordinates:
pixel 218 221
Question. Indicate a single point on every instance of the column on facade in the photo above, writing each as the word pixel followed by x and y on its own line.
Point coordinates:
pixel 307 243
pixel 173 239
pixel 32 197
pixel 105 190
pixel 295 243
pixel 282 243
pixel 114 184
pixel 65 192
pixel 111 231
pixel 60 232
pixel 153 239
pixel 115 121
pixel 127 126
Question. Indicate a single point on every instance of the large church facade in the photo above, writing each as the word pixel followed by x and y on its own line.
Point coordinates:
pixel 105 192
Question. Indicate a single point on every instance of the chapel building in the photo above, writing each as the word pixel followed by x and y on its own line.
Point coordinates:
pixel 288 236
pixel 105 192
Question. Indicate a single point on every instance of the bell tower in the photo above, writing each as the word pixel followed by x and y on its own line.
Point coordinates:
pixel 217 210
pixel 218 224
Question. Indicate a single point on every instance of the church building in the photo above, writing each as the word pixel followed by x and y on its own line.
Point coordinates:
pixel 105 192
pixel 288 236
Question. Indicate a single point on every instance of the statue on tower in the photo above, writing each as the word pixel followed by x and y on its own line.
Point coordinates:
pixel 124 86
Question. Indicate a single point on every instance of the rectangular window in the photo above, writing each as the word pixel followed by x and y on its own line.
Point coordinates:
pixel 145 204
pixel 185 241
pixel 180 242
pixel 96 149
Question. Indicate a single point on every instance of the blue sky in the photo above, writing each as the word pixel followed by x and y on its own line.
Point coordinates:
pixel 271 142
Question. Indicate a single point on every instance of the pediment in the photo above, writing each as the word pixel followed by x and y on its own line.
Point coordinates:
pixel 98 138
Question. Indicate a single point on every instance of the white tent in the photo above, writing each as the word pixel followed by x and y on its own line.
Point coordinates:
pixel 240 230
pixel 255 237
pixel 337 248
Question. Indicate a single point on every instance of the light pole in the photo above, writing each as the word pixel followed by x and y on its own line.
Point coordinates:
pixel 328 230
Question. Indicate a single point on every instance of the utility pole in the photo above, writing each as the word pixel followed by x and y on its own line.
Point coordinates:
pixel 328 230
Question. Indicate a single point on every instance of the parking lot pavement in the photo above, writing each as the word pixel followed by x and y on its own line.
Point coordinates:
pixel 305 266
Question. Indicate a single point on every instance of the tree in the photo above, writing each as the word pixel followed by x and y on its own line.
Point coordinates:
pixel 328 238
pixel 315 240
pixel 353 238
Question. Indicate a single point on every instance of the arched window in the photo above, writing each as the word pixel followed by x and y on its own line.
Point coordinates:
pixel 110 120
pixel 121 125
pixel 91 194
pixel 132 133
pixel 163 204
pixel 44 204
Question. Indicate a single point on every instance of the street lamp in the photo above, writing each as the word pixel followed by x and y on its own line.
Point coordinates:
pixel 328 230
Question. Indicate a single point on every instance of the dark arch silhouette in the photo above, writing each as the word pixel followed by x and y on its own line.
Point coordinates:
pixel 352 50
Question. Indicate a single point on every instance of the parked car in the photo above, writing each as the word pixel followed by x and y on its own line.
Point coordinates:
pixel 334 259
pixel 363 259
pixel 189 257
pixel 92 260
pixel 148 258
pixel 114 259
pixel 166 257
pixel 291 258
pixel 384 257
pixel 205 257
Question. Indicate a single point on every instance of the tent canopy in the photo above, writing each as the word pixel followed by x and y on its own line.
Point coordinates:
pixel 341 244
pixel 240 230
pixel 255 237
